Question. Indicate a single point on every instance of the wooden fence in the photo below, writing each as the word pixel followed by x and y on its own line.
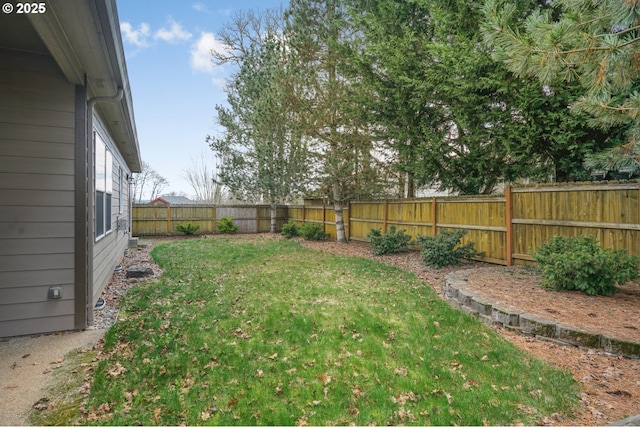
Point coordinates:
pixel 506 228
pixel 155 220
pixel 324 215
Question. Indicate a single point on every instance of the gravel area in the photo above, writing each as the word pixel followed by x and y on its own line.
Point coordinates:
pixel 120 284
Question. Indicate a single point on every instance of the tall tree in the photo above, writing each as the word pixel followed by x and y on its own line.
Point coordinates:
pixel 318 31
pixel 457 119
pixel 158 183
pixel 147 179
pixel 203 178
pixel 589 41
pixel 264 157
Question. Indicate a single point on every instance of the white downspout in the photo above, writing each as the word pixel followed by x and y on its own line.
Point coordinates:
pixel 91 193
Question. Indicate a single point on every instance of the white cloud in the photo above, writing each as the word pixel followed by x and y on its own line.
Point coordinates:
pixel 174 34
pixel 219 82
pixel 137 37
pixel 200 7
pixel 201 52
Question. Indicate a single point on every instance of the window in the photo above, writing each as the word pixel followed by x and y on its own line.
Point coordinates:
pixel 104 186
pixel 120 190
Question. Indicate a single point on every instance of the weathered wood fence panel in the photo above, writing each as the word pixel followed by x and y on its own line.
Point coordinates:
pixel 483 217
pixel 324 215
pixel 507 229
pixel 607 211
pixel 154 220
pixel 264 218
pixel 244 216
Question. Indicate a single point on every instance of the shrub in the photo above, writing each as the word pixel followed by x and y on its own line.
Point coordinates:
pixel 312 231
pixel 226 225
pixel 187 228
pixel 290 229
pixel 578 263
pixel 440 250
pixel 391 242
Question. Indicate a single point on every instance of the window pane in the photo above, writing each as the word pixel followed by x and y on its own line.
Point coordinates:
pixel 109 172
pixel 107 212
pixel 120 189
pixel 100 159
pixel 99 213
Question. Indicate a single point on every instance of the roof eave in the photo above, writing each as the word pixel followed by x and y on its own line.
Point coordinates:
pixel 84 39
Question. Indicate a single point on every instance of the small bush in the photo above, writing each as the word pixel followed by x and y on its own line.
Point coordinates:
pixel 391 242
pixel 440 250
pixel 312 231
pixel 290 229
pixel 226 225
pixel 578 263
pixel 188 229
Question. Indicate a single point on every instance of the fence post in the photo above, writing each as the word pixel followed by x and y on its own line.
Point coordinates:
pixel 258 219
pixel 169 228
pixel 434 216
pixel 509 225
pixel 384 216
pixel 348 230
pixel 324 217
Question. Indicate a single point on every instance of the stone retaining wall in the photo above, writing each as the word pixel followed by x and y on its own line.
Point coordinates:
pixel 456 293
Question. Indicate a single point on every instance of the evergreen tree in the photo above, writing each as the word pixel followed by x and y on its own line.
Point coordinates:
pixel 264 157
pixel 318 31
pixel 593 42
pixel 456 118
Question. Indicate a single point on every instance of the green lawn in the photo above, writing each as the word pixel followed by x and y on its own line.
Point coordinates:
pixel 259 331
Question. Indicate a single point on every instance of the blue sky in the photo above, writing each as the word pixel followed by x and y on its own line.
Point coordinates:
pixel 174 84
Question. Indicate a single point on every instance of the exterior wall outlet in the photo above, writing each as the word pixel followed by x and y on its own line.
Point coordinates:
pixel 55 292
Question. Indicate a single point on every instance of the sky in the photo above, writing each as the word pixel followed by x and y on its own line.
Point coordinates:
pixel 174 84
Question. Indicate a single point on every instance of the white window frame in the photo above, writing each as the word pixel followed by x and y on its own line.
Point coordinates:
pixel 120 190
pixel 103 168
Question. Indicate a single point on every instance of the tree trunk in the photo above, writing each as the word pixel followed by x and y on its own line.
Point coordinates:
pixel 274 216
pixel 341 236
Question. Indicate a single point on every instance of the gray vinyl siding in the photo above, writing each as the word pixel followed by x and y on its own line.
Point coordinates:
pixel 37 160
pixel 108 250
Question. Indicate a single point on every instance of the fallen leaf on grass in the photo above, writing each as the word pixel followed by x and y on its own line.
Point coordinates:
pixel 402 371
pixel 324 378
pixel 116 370
pixel 403 398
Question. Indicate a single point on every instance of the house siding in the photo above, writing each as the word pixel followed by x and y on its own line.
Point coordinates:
pixel 37 161
pixel 109 249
